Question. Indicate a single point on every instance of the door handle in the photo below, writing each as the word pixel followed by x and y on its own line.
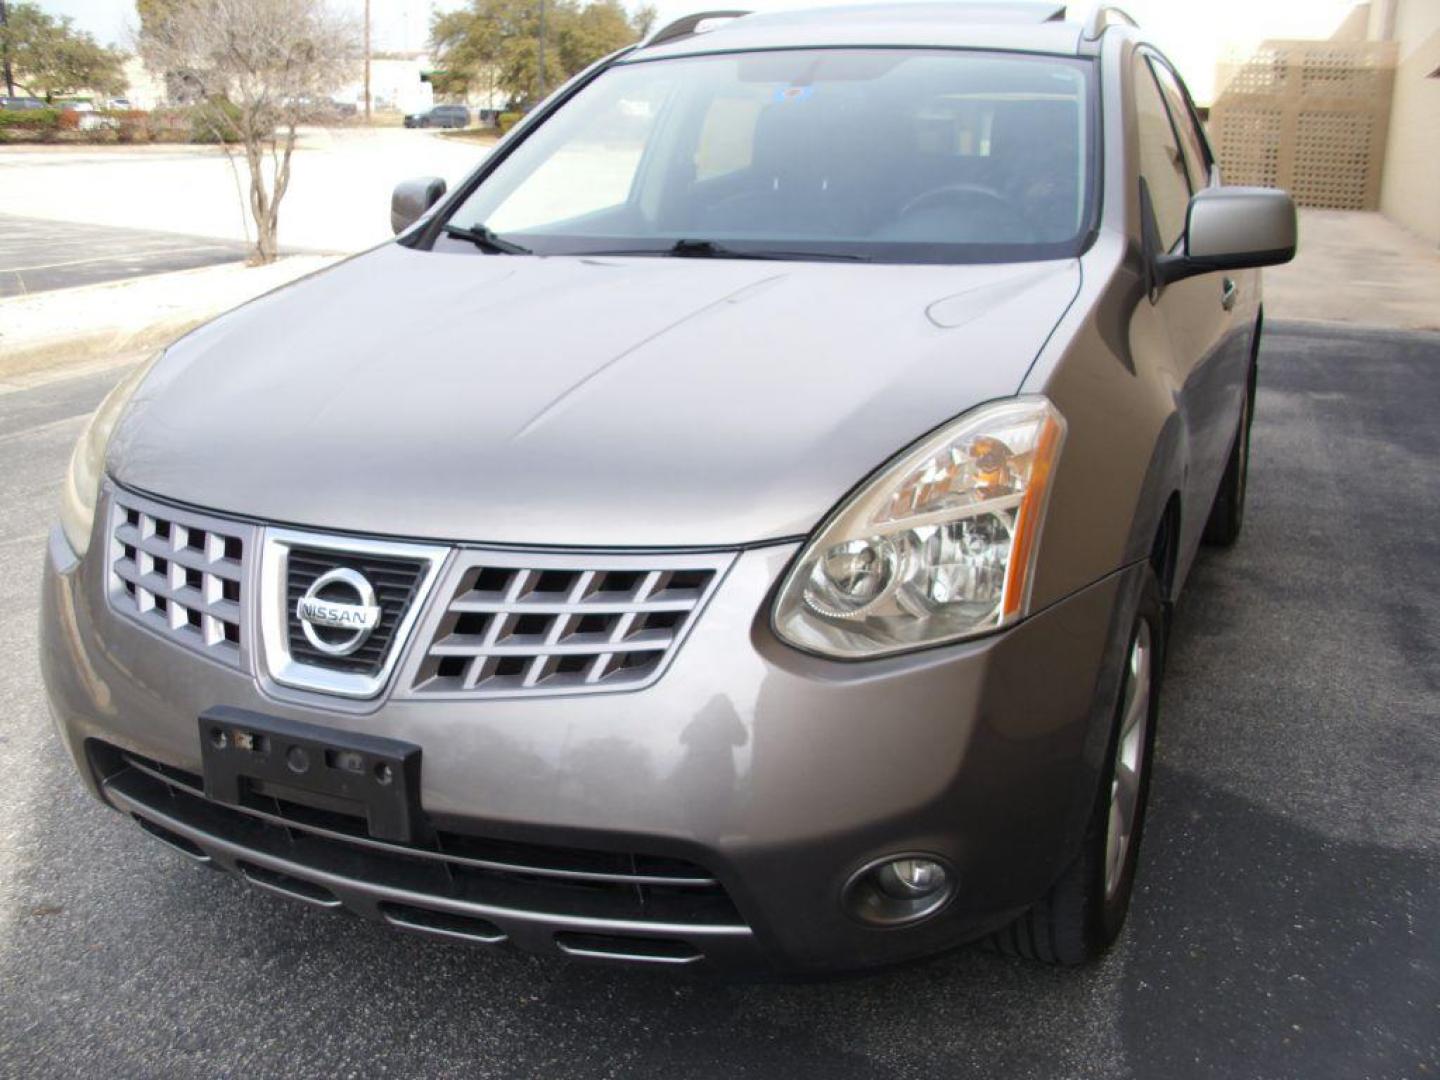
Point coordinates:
pixel 1228 292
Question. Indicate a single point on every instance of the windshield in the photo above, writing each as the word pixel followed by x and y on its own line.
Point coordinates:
pixel 902 155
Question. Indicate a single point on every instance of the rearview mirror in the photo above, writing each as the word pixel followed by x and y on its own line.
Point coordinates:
pixel 412 198
pixel 1233 228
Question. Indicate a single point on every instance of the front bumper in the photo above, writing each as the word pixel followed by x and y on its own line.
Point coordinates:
pixel 776 773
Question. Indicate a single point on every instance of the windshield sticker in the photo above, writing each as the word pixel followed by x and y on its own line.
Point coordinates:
pixel 793 93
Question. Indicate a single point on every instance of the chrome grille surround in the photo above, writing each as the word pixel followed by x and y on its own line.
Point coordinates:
pixel 182 574
pixel 287 670
pixel 506 623
pixel 510 624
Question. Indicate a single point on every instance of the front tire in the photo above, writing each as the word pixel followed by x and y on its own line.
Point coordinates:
pixel 1083 913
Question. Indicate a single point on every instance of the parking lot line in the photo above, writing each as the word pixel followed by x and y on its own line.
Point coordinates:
pixel 192 249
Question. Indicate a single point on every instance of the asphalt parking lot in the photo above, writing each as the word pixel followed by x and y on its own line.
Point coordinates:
pixel 36 255
pixel 1285 923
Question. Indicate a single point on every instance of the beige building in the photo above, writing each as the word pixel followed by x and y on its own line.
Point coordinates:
pixel 1410 175
pixel 143 90
pixel 1351 122
pixel 398 82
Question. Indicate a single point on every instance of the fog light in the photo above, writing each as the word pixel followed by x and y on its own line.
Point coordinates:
pixel 911 879
pixel 898 890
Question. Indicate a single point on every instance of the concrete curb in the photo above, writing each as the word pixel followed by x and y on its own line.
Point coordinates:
pixel 67 327
pixel 96 344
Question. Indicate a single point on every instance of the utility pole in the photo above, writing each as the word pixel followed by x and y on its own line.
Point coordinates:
pixel 5 59
pixel 367 60
pixel 542 51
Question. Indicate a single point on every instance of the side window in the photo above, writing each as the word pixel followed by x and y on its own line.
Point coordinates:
pixel 1162 165
pixel 1197 152
pixel 727 135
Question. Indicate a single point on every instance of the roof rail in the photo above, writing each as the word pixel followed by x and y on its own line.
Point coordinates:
pixel 688 25
pixel 1102 18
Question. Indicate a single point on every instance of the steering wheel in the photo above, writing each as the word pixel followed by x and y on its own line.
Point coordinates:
pixel 976 197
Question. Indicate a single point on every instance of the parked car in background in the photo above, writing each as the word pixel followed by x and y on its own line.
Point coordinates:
pixel 739 527
pixel 87 118
pixel 120 104
pixel 441 116
pixel 21 104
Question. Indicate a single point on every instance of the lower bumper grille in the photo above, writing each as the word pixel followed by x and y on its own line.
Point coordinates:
pixel 449 887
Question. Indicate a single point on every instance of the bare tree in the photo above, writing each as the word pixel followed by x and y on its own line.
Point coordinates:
pixel 253 70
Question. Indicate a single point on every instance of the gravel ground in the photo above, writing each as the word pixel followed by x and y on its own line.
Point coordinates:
pixel 1285 924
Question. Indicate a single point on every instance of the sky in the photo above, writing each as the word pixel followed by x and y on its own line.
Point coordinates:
pixel 1195 34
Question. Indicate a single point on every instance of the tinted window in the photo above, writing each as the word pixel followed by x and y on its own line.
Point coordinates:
pixel 901 155
pixel 1197 151
pixel 1162 165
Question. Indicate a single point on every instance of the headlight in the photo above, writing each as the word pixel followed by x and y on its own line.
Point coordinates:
pixel 939 546
pixel 87 461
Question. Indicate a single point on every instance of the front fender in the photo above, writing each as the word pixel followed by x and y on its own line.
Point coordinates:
pixel 1127 447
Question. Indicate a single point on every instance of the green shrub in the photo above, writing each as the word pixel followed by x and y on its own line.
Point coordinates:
pixel 508 120
pixel 29 120
pixel 215 121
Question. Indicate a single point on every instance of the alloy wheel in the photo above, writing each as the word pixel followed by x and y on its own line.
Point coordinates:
pixel 1129 764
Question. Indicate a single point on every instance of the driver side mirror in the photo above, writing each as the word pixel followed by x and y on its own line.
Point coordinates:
pixel 412 198
pixel 1232 228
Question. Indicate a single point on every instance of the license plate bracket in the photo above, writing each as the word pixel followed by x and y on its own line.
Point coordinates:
pixel 380 777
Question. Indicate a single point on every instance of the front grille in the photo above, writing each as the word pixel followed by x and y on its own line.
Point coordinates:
pixel 533 878
pixel 524 624
pixel 505 623
pixel 180 573
pixel 395 582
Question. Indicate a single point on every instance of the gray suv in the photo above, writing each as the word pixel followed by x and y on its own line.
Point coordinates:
pixel 441 116
pixel 750 541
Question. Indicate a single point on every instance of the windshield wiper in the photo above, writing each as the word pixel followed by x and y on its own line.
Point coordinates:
pixel 485 240
pixel 709 249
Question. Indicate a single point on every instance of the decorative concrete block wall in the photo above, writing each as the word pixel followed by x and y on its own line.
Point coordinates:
pixel 1311 117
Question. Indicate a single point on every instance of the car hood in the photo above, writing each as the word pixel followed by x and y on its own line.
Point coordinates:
pixel 576 401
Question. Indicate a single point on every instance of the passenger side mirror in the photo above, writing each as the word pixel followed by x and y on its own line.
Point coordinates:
pixel 1232 228
pixel 412 198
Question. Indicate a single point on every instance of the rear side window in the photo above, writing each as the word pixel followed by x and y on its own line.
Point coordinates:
pixel 1197 152
pixel 1162 165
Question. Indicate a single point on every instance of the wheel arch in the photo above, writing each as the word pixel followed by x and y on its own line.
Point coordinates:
pixel 1156 529
pixel 1165 549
